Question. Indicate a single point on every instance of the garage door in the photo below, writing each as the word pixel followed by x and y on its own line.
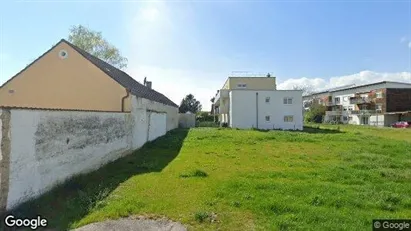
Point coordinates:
pixel 157 125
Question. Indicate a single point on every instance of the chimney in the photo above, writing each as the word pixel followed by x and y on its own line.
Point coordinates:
pixel 148 84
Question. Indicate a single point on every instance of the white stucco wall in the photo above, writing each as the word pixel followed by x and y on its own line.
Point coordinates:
pixel 186 120
pixel 243 109
pixel 157 126
pixel 141 110
pixel 47 147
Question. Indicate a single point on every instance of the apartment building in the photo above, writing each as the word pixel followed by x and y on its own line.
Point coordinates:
pixel 378 104
pixel 252 101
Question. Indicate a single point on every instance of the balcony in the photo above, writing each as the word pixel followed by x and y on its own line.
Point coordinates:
pixel 359 100
pixel 221 94
pixel 363 112
pixel 337 113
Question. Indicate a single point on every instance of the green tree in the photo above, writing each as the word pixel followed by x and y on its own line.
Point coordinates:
pixel 94 43
pixel 189 103
pixel 315 113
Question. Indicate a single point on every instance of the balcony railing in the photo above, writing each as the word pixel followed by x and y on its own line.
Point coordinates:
pixel 221 94
pixel 364 112
pixel 358 100
pixel 337 113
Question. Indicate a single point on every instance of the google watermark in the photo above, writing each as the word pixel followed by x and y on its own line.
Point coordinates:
pixel 33 223
pixel 391 224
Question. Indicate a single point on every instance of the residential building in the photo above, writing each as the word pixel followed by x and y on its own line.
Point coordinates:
pixel 253 101
pixel 378 104
pixel 69 78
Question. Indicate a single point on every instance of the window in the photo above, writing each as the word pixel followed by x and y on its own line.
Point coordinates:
pixel 345 118
pixel 378 107
pixel 241 85
pixel 63 54
pixel 379 94
pixel 288 118
pixel 337 100
pixel 267 118
pixel 288 100
pixel 267 99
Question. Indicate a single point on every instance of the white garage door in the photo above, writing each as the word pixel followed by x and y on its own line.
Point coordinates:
pixel 157 125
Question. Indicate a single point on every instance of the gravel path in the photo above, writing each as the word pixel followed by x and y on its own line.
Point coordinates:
pixel 134 224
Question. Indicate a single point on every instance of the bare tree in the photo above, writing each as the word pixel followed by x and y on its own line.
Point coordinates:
pixel 306 88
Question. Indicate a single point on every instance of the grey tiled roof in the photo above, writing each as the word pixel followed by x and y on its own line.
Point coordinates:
pixel 124 79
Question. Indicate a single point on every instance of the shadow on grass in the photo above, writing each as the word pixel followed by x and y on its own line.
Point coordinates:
pixel 75 198
pixel 317 129
pixel 306 129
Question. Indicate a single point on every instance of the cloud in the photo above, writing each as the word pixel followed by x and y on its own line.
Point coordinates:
pixel 363 77
pixel 409 45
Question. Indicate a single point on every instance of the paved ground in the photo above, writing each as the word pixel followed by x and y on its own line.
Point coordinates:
pixel 134 224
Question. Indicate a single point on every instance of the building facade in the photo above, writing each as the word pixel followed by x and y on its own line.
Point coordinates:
pixel 377 104
pixel 254 102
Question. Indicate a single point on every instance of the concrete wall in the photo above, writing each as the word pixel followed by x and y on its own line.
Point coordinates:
pixel 142 110
pixel 244 110
pixel 48 147
pixel 41 148
pixel 70 83
pixel 157 125
pixel 186 120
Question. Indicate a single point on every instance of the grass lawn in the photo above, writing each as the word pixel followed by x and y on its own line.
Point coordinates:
pixel 318 179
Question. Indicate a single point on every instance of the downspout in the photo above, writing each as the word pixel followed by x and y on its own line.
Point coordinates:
pixel 124 97
pixel 256 108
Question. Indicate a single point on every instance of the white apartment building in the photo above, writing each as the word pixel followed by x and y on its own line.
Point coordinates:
pixel 254 102
pixel 378 104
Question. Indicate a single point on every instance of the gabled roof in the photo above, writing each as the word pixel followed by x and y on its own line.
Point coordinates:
pixel 123 78
pixel 116 74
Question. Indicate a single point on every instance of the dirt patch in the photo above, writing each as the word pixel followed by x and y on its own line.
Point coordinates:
pixel 134 224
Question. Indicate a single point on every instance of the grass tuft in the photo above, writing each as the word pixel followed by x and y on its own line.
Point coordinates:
pixel 201 216
pixel 195 173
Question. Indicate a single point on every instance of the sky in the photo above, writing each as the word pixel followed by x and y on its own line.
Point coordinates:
pixel 192 46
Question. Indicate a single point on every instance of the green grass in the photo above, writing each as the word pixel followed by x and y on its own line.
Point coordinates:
pixel 327 178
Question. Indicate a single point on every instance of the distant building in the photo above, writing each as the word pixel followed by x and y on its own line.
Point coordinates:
pixel 378 104
pixel 252 101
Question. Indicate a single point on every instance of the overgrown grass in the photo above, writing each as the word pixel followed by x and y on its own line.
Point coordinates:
pixel 325 178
